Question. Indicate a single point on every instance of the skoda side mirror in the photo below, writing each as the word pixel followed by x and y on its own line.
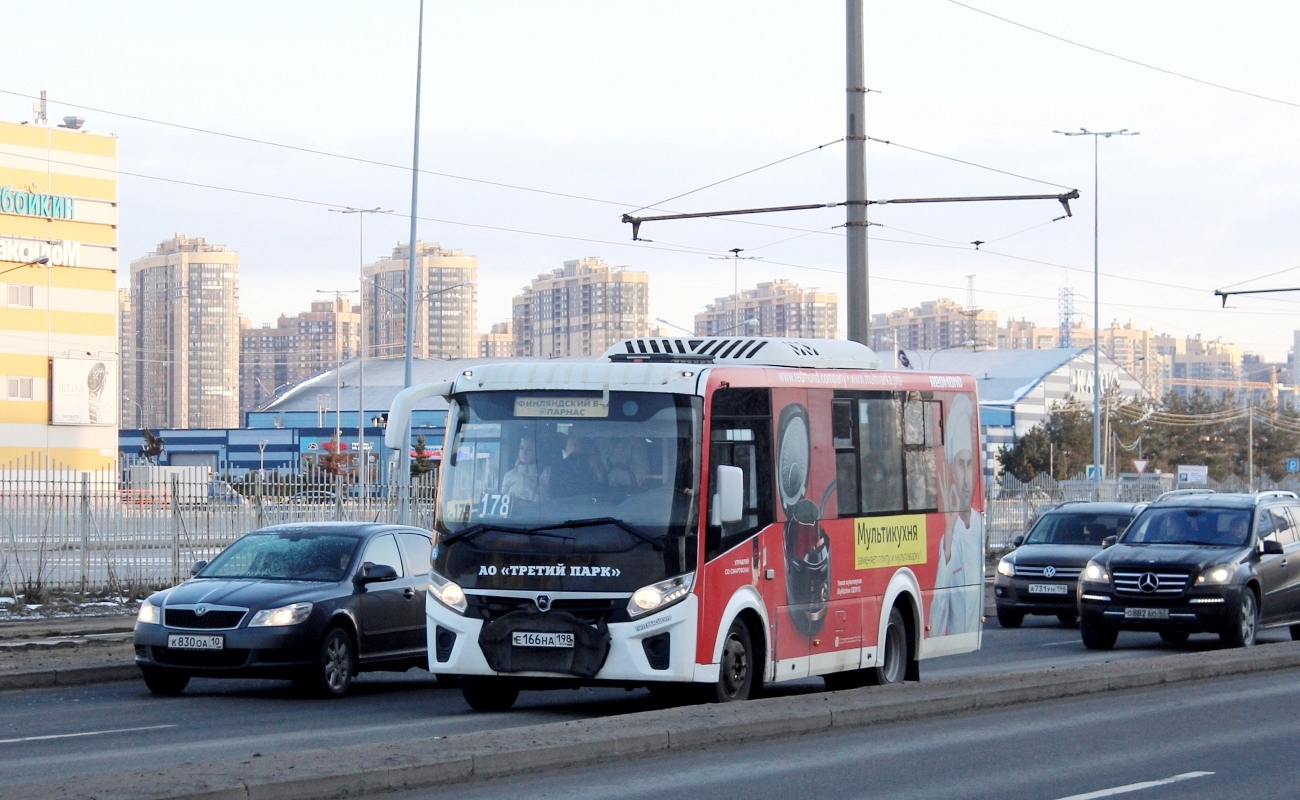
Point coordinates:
pixel 376 573
pixel 198 565
pixel 1108 541
pixel 1272 547
pixel 1019 540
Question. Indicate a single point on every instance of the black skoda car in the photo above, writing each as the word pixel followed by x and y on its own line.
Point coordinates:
pixel 314 602
pixel 1039 576
pixel 1193 563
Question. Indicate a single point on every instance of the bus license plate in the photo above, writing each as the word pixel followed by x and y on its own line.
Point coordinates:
pixel 526 639
pixel 1048 588
pixel 1146 613
pixel 182 642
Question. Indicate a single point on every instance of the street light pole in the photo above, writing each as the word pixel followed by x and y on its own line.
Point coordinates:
pixel 1096 298
pixel 404 462
pixel 361 347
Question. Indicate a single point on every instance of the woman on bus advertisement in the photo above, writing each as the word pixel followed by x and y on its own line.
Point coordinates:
pixel 958 584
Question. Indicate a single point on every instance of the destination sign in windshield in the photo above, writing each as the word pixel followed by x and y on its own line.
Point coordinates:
pixel 561 407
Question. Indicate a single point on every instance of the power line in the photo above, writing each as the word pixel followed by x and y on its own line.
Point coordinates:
pixel 1125 59
pixel 967 163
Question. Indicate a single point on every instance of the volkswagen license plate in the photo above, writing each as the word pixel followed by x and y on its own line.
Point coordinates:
pixel 1146 613
pixel 1048 588
pixel 185 642
pixel 526 639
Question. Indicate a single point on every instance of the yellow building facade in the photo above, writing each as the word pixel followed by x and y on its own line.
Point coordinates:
pixel 58 311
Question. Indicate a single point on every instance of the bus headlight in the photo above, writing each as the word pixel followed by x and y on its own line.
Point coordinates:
pixel 660 595
pixel 447 592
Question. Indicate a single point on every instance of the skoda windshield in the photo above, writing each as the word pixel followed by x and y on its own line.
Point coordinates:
pixel 563 475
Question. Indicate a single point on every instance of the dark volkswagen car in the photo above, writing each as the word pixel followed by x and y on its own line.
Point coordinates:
pixel 314 602
pixel 1213 563
pixel 1039 576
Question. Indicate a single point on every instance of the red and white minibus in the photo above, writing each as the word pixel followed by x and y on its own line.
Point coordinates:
pixel 703 513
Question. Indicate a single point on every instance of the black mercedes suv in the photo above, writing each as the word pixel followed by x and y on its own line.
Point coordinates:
pixel 1039 576
pixel 1197 563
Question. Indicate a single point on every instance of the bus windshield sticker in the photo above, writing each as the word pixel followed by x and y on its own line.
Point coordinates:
pixel 561 407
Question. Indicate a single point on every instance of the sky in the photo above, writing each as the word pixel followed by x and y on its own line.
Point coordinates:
pixel 542 123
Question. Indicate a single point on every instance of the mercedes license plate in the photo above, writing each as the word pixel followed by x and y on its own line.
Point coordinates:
pixel 526 639
pixel 178 641
pixel 1146 613
pixel 1048 588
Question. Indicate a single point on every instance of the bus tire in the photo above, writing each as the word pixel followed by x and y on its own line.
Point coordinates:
pixel 896 661
pixel 488 694
pixel 736 677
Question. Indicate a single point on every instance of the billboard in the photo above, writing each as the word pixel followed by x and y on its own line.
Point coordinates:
pixel 83 391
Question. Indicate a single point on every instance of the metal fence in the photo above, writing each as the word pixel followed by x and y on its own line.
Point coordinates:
pixel 98 532
pixel 1011 506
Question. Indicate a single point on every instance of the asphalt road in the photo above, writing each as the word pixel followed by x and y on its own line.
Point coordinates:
pixel 1226 738
pixel 112 728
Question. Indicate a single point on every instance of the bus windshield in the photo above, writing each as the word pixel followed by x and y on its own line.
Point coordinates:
pixel 569 472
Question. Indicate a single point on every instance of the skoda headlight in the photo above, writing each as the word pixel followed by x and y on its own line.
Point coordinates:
pixel 284 615
pixel 1095 572
pixel 1007 567
pixel 149 614
pixel 447 592
pixel 660 595
pixel 1219 574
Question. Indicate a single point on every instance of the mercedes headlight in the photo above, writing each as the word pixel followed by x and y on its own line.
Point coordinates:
pixel 149 613
pixel 278 617
pixel 1219 574
pixel 660 595
pixel 447 592
pixel 1007 567
pixel 1095 572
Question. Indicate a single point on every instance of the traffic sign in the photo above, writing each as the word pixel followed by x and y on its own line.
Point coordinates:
pixel 1293 465
pixel 1140 464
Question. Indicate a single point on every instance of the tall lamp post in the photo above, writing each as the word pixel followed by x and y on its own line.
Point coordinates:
pixel 1096 301
pixel 361 347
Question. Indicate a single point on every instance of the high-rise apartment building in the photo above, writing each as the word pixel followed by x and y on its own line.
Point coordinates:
pixel 185 307
pixel 580 309
pixel 498 343
pixel 934 325
pixel 295 349
pixel 446 300
pixel 59 399
pixel 777 308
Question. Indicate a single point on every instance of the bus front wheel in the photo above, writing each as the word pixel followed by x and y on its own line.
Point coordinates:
pixel 736 672
pixel 489 694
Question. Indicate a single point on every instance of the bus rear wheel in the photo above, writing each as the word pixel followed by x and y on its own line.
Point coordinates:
pixel 894 661
pixel 736 672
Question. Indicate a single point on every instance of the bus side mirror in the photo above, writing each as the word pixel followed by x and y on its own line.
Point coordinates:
pixel 729 501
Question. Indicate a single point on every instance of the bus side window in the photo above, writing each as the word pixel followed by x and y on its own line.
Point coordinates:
pixel 844 433
pixel 921 424
pixel 741 425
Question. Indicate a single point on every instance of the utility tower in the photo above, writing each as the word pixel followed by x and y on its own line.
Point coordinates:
pixel 1067 316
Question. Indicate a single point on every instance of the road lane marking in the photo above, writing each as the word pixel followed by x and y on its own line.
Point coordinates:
pixel 1137 787
pixel 84 733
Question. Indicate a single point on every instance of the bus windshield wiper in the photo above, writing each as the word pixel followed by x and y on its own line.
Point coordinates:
pixel 655 541
pixel 483 527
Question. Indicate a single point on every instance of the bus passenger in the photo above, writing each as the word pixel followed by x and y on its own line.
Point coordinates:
pixel 521 482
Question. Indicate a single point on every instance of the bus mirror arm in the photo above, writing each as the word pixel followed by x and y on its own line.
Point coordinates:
pixel 730 496
pixel 397 433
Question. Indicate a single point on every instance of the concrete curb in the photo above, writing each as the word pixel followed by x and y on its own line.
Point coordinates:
pixel 69 676
pixel 428 762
